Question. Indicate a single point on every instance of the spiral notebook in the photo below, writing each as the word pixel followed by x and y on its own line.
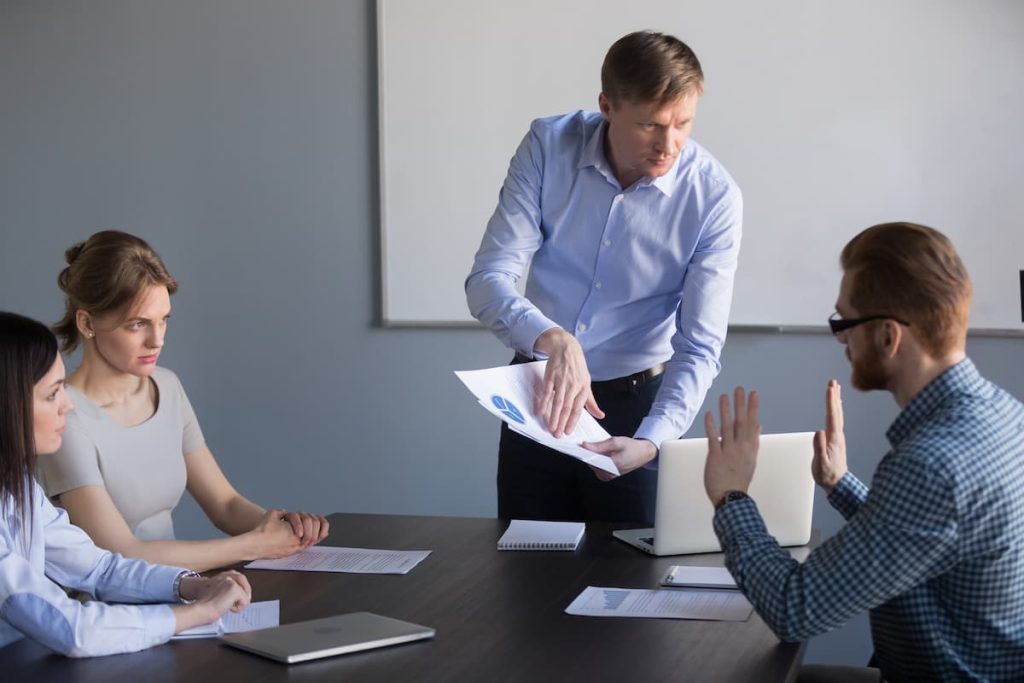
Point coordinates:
pixel 535 535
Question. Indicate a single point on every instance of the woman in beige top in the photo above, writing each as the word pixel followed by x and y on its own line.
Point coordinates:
pixel 134 445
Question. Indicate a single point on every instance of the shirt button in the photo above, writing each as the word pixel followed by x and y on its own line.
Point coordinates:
pixel 618 197
pixel 582 327
pixel 597 285
pixel 607 243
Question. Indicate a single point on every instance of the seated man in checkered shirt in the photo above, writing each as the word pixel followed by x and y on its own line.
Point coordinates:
pixel 935 548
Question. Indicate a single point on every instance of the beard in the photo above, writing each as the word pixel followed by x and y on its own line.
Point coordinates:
pixel 868 372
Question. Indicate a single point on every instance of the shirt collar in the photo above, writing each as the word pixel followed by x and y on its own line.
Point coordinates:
pixel 593 155
pixel 961 378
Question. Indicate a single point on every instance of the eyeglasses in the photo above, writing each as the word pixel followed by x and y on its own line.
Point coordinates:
pixel 839 324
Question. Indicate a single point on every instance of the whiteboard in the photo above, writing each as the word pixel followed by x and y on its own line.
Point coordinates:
pixel 831 116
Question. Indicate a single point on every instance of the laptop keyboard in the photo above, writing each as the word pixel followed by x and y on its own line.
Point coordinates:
pixel 649 540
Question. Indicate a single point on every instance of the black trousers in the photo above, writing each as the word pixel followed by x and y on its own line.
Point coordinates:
pixel 536 482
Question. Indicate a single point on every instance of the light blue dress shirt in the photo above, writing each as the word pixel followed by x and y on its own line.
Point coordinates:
pixel 639 275
pixel 52 551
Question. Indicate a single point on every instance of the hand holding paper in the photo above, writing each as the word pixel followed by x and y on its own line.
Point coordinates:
pixel 508 392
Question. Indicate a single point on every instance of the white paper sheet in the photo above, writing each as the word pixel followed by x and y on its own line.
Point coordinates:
pixel 703 605
pixel 345 560
pixel 508 392
pixel 257 615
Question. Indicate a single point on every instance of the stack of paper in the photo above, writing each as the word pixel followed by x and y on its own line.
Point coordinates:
pixel 257 615
pixel 323 558
pixel 596 601
pixel 508 392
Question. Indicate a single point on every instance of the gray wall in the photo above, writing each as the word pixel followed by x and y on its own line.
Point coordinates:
pixel 239 137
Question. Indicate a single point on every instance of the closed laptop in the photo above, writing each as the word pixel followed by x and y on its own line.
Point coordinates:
pixel 338 635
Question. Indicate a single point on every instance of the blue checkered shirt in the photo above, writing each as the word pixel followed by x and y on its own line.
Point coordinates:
pixel 935 549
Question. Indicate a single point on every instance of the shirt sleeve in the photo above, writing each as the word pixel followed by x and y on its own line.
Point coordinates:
pixel 191 435
pixel 35 605
pixel 848 495
pixel 702 320
pixel 74 465
pixel 904 534
pixel 512 237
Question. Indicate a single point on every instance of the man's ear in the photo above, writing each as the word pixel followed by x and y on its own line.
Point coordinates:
pixel 604 105
pixel 893 337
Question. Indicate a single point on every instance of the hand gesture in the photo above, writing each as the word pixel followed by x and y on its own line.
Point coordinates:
pixel 627 454
pixel 829 464
pixel 733 457
pixel 565 391
pixel 311 529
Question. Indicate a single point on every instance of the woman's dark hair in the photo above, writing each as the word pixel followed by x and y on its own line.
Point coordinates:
pixel 27 352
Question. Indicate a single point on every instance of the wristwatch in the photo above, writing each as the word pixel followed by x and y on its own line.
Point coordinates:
pixel 729 497
pixel 176 588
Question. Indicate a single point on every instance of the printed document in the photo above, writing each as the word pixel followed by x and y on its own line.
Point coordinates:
pixel 257 615
pixel 345 560
pixel 703 605
pixel 508 392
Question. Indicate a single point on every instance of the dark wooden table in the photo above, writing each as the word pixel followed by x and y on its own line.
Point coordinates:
pixel 499 616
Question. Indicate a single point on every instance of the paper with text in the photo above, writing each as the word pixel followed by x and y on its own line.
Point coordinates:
pixel 508 392
pixel 345 560
pixel 257 615
pixel 661 604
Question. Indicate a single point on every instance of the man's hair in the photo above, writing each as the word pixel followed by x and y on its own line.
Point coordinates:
pixel 911 272
pixel 650 67
pixel 106 273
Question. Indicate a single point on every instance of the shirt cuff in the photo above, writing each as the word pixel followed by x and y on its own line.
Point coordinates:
pixel 657 430
pixel 736 521
pixel 160 582
pixel 848 495
pixel 527 330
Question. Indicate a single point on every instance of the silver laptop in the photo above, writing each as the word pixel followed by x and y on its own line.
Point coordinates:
pixel 305 640
pixel 783 489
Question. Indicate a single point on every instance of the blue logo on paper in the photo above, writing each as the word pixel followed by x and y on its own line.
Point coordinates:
pixel 508 409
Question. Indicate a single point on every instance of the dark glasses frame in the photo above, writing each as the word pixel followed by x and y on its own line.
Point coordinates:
pixel 838 324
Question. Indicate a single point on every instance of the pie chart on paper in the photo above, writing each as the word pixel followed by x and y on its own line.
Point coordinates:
pixel 508 409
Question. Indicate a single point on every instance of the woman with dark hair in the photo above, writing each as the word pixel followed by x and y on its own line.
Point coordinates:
pixel 40 548
pixel 134 445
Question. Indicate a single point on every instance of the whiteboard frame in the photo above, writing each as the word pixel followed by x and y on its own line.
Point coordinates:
pixel 388 320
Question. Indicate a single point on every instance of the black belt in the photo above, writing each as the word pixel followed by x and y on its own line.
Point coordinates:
pixel 622 385
pixel 619 385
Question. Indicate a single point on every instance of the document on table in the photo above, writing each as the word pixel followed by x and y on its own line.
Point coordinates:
pixel 508 392
pixel 257 615
pixel 345 560
pixel 702 605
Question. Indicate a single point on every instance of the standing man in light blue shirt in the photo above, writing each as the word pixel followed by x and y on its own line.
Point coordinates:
pixel 631 231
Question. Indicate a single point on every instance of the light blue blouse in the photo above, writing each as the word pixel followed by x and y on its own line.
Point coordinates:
pixel 49 550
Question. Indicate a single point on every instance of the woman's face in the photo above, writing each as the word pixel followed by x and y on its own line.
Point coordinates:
pixel 132 344
pixel 49 405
